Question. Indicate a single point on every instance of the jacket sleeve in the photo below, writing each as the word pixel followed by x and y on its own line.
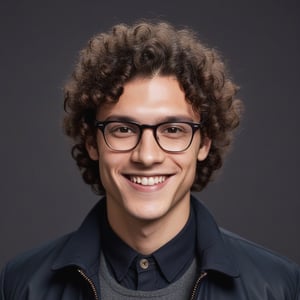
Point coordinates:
pixel 2 275
pixel 298 289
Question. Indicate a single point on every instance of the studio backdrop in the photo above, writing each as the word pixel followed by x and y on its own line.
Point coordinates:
pixel 255 195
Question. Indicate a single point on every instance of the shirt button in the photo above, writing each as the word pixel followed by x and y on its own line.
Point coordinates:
pixel 144 263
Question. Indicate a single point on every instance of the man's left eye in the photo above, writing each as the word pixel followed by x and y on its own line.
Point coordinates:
pixel 173 130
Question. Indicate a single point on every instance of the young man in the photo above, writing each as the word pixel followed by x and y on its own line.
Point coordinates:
pixel 151 112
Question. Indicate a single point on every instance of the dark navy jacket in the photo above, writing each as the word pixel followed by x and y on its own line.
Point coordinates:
pixel 229 267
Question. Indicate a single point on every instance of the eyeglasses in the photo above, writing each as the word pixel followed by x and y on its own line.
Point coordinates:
pixel 170 136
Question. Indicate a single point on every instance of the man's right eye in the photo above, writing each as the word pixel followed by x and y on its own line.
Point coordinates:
pixel 122 130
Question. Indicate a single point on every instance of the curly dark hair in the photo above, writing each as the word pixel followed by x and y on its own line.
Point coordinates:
pixel 147 49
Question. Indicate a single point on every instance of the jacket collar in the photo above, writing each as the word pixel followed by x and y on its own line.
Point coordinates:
pixel 214 253
pixel 84 246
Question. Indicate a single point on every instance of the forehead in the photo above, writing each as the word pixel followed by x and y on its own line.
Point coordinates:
pixel 149 100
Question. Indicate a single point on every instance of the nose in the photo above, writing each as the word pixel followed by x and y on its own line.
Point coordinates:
pixel 148 152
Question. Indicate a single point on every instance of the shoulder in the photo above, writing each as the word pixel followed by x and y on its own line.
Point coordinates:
pixel 259 263
pixel 34 258
pixel 36 262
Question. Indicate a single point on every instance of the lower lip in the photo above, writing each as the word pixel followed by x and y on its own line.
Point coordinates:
pixel 148 188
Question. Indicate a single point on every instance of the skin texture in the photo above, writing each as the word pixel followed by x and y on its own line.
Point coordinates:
pixel 146 217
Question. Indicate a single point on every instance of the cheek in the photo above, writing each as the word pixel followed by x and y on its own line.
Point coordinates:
pixel 110 165
pixel 191 164
pixel 188 162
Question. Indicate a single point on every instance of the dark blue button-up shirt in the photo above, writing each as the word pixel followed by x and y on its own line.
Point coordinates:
pixel 149 272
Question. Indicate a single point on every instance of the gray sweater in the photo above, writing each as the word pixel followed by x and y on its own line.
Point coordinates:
pixel 179 290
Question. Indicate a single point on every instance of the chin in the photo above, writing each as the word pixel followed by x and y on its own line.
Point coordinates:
pixel 148 212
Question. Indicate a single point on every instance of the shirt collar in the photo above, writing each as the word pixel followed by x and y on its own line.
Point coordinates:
pixel 179 252
pixel 117 253
pixel 171 258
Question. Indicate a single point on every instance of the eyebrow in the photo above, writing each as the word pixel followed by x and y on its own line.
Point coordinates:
pixel 177 118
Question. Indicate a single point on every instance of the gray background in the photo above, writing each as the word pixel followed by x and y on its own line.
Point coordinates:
pixel 256 194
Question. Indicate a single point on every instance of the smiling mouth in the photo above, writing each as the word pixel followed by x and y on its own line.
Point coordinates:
pixel 146 181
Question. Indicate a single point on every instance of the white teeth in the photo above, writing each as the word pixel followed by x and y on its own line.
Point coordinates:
pixel 148 180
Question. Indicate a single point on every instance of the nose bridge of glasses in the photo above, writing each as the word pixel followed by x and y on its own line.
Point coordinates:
pixel 152 128
pixel 146 126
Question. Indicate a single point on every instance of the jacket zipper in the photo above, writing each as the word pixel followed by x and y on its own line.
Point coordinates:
pixel 90 282
pixel 203 274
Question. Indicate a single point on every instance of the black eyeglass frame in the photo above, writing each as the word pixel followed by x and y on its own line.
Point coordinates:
pixel 102 124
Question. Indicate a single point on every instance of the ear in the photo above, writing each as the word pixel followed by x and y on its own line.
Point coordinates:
pixel 92 149
pixel 204 149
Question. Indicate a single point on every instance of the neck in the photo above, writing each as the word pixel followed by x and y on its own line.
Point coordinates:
pixel 147 236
